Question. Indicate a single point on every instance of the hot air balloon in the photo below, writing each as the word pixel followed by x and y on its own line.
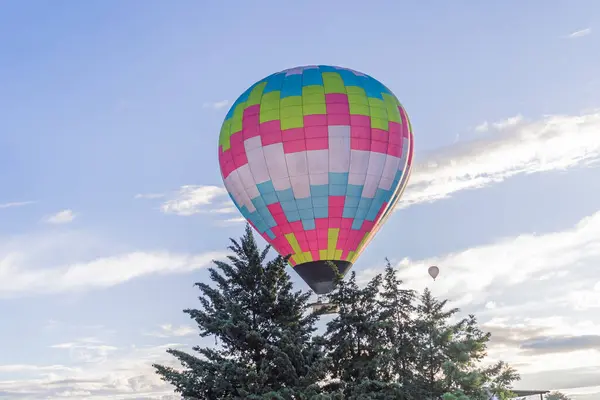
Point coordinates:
pixel 316 158
pixel 434 272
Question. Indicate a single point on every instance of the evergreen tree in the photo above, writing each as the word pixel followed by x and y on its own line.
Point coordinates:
pixel 402 349
pixel 267 350
pixel 451 364
pixel 383 344
pixel 387 344
pixel 434 336
pixel 353 341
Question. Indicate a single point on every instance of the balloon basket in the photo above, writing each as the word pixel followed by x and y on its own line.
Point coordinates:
pixel 323 303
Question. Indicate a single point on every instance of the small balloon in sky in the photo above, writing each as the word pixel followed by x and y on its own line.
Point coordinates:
pixel 316 158
pixel 434 272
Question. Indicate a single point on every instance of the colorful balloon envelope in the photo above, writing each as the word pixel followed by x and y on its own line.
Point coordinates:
pixel 316 158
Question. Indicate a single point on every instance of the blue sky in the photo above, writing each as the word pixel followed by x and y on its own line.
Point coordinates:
pixel 112 204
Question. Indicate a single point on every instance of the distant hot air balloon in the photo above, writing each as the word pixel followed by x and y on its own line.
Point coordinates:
pixel 316 158
pixel 434 272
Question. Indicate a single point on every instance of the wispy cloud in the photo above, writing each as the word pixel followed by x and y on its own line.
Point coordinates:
pixel 89 350
pixel 16 204
pixel 486 126
pixel 117 373
pixel 516 147
pixel 537 259
pixel 508 122
pixel 561 343
pixel 168 331
pixel 191 200
pixel 10 368
pixel 65 263
pixel 98 273
pixel 237 220
pixel 195 199
pixel 584 392
pixel 580 33
pixel 483 127
pixel 149 196
pixel 522 290
pixel 61 217
pixel 217 105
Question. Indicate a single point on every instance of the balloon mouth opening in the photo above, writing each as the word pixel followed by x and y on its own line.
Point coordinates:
pixel 319 275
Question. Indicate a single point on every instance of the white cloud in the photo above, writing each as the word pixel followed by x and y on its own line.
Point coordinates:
pixel 217 105
pixel 225 210
pixel 483 127
pixel 121 373
pixel 473 276
pixel 168 330
pixel 16 204
pixel 580 33
pixel 61 217
pixel 73 261
pixel 193 199
pixel 490 305
pixel 583 393
pixel 10 368
pixel 88 350
pixel 237 220
pixel 585 299
pixel 514 147
pixel 149 195
pixel 97 273
pixel 541 289
pixel 517 147
pixel 508 122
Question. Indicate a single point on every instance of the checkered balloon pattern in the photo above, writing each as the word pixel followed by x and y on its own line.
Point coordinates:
pixel 315 158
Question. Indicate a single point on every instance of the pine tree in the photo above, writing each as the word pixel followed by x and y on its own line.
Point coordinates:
pixel 402 349
pixel 451 362
pixel 387 344
pixel 463 372
pixel 427 355
pixel 354 344
pixel 434 336
pixel 267 349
